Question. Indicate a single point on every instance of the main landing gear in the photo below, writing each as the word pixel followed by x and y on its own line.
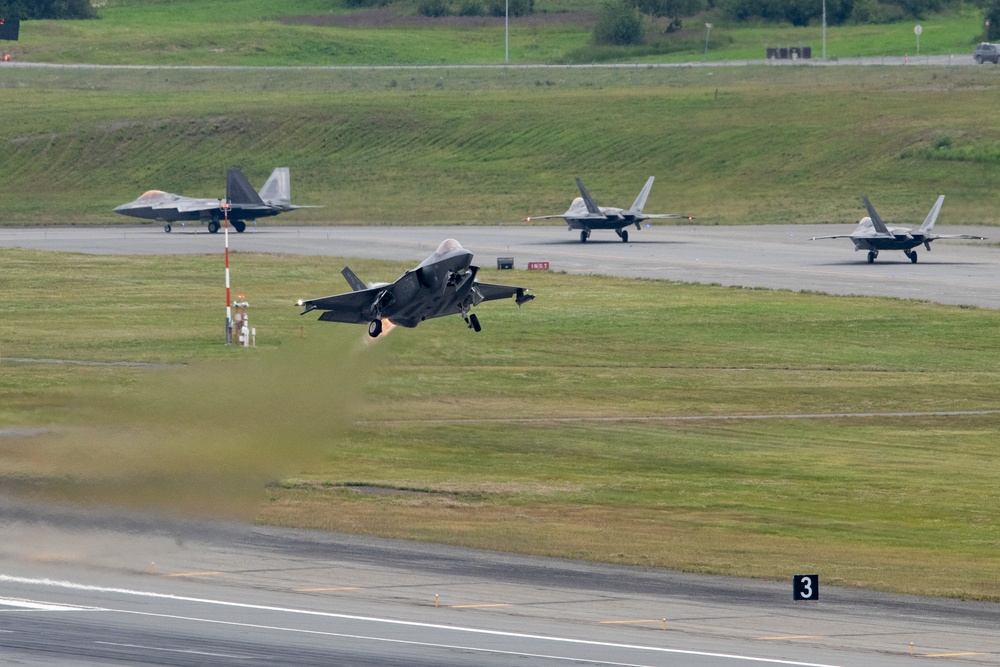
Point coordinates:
pixel 912 254
pixel 622 234
pixel 167 228
pixel 584 235
pixel 872 254
pixel 374 328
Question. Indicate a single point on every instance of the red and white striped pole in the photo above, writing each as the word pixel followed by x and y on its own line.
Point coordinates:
pixel 229 307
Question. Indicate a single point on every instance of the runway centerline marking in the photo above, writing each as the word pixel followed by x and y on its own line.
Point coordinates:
pixel 569 641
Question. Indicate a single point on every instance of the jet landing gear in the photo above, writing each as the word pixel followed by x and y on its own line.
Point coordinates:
pixel 167 228
pixel 472 321
pixel 584 235
pixel 622 234
pixel 872 255
pixel 912 254
pixel 374 328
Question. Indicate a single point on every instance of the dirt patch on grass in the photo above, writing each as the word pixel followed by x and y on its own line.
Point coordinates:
pixel 386 17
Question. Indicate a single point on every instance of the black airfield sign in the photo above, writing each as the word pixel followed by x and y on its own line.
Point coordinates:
pixel 9 28
pixel 805 587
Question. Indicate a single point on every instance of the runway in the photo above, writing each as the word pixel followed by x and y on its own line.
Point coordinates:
pixel 88 588
pixel 770 256
pixel 83 588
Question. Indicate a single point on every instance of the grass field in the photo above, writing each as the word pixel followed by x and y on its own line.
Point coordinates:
pixel 891 503
pixel 730 145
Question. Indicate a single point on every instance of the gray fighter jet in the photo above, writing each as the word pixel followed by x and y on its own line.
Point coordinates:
pixel 873 235
pixel 245 204
pixel 584 214
pixel 443 284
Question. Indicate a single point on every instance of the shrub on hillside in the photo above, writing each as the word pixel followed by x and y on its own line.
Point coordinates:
pixel 470 8
pixel 620 24
pixel 432 8
pixel 515 7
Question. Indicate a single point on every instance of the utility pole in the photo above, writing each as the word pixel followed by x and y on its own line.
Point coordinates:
pixel 824 29
pixel 506 32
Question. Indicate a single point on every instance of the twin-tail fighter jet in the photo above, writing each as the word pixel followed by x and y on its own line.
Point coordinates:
pixel 873 235
pixel 584 214
pixel 443 284
pixel 245 204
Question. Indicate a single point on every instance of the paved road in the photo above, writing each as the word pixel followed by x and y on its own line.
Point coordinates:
pixel 772 256
pixel 934 61
pixel 87 588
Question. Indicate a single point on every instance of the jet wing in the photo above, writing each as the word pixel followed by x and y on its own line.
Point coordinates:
pixel 544 217
pixel 667 215
pixel 836 236
pixel 351 307
pixel 956 236
pixel 187 205
pixel 492 292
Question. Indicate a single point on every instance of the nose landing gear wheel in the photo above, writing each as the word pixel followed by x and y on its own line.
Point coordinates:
pixel 166 228
pixel 375 328
pixel 213 227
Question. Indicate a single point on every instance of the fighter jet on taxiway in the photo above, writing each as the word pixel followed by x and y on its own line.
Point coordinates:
pixel 873 235
pixel 584 214
pixel 245 204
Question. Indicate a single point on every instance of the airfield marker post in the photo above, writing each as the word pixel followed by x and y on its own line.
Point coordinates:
pixel 229 308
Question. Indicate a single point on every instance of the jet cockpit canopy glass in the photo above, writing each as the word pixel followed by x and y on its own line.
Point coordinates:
pixel 448 245
pixel 150 194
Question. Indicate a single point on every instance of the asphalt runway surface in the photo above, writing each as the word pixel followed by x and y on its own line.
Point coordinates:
pixel 770 256
pixel 98 588
pixel 88 588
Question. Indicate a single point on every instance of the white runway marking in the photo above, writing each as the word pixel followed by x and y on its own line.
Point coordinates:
pixel 388 621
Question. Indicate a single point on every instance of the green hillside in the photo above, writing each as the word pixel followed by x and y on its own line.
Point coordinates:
pixel 729 145
pixel 321 32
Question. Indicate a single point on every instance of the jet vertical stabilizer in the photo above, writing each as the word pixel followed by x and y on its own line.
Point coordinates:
pixel 876 219
pixel 353 280
pixel 239 190
pixel 640 201
pixel 932 216
pixel 277 190
pixel 592 206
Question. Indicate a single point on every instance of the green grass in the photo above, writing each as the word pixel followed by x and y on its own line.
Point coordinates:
pixel 888 503
pixel 731 146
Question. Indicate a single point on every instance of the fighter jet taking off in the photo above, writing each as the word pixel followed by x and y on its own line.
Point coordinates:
pixel 443 284
pixel 245 204
pixel 584 214
pixel 873 235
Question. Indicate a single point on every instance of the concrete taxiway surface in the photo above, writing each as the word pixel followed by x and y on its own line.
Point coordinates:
pixel 771 256
pixel 82 588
